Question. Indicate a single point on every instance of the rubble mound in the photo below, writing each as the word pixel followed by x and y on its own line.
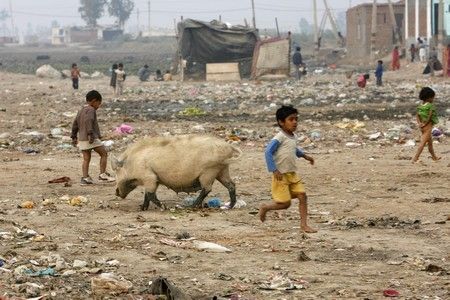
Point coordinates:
pixel 47 71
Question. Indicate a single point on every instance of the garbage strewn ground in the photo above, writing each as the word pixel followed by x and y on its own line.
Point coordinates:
pixel 383 222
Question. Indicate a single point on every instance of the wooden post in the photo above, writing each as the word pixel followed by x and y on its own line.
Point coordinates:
pixel 278 30
pixel 394 24
pixel 138 25
pixel 316 34
pixel 253 11
pixel 149 31
pixel 245 22
pixel 407 21
pixel 441 23
pixel 332 20
pixel 373 36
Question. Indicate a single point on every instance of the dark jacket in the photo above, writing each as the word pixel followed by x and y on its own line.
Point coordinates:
pixel 297 58
pixel 379 71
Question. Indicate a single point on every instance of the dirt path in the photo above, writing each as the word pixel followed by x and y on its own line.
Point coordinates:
pixel 382 221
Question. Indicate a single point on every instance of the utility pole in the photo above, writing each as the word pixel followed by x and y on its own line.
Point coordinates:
pixel 332 20
pixel 316 34
pixel 13 30
pixel 138 25
pixel 373 36
pixel 253 11
pixel 440 23
pixel 149 32
pixel 276 23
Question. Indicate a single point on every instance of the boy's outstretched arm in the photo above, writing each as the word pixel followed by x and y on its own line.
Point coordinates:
pixel 309 158
pixel 299 152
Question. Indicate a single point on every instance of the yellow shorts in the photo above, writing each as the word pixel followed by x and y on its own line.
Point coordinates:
pixel 283 190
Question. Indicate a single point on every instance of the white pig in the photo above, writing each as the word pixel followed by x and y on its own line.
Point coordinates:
pixel 184 163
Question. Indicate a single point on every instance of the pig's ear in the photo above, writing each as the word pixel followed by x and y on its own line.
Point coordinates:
pixel 115 163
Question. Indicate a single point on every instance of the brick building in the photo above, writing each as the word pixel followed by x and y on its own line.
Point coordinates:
pixel 422 18
pixel 359 28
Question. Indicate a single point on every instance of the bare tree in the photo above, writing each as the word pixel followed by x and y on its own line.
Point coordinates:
pixel 121 9
pixel 91 11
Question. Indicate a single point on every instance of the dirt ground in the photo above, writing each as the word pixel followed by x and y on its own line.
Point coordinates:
pixel 383 223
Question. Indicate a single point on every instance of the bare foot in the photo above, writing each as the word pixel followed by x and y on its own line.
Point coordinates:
pixel 308 229
pixel 436 158
pixel 262 213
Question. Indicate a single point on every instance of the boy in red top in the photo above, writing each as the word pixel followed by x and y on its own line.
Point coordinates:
pixel 75 74
pixel 86 133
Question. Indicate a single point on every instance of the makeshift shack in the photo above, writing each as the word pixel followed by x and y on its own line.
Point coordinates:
pixel 202 43
pixel 271 58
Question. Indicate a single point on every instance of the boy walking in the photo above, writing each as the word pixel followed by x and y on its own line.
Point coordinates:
pixel 379 73
pixel 281 154
pixel 426 118
pixel 297 60
pixel 120 78
pixel 86 127
pixel 75 74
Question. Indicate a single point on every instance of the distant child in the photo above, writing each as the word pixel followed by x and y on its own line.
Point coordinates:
pixel 361 81
pixel 426 118
pixel 158 75
pixel 379 73
pixel 167 76
pixel 120 78
pixel 86 127
pixel 413 51
pixel 113 77
pixel 281 154
pixel 75 74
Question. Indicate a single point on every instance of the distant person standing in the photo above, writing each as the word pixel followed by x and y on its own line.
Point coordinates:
pixel 113 77
pixel 75 74
pixel 158 75
pixel 297 60
pixel 395 59
pixel 446 61
pixel 379 73
pixel 120 78
pixel 413 51
pixel 167 76
pixel 144 73
pixel 433 62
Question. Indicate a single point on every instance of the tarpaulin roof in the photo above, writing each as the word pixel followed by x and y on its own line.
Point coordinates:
pixel 215 42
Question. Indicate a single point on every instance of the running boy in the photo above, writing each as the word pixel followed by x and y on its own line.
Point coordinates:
pixel 426 118
pixel 281 154
pixel 86 127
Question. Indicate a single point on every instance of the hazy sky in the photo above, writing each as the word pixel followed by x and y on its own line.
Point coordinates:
pixel 163 12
